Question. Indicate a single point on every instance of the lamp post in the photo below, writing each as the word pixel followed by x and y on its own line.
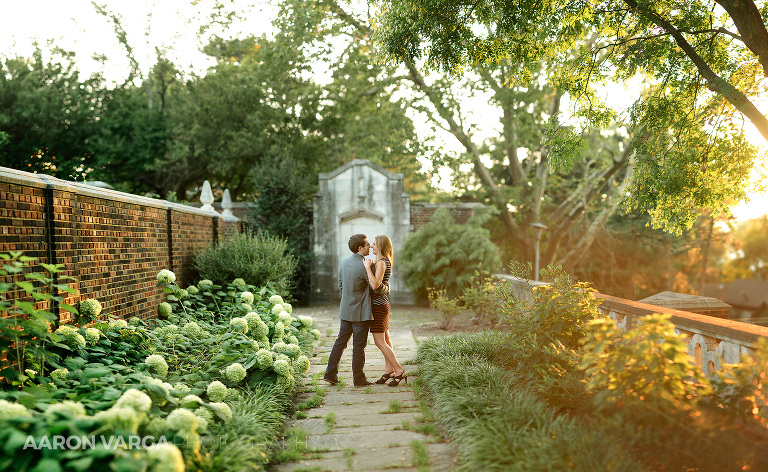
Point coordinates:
pixel 537 229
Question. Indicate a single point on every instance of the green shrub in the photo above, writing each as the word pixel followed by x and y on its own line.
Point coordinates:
pixel 259 258
pixel 497 423
pixel 447 306
pixel 480 297
pixel 443 254
pixel 283 208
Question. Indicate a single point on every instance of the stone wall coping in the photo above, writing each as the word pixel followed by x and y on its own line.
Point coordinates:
pixel 703 324
pixel 28 179
pixel 359 162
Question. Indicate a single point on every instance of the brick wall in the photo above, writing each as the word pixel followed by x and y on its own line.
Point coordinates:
pixel 421 213
pixel 111 242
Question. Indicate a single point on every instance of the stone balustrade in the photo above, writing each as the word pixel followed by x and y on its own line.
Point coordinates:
pixel 711 341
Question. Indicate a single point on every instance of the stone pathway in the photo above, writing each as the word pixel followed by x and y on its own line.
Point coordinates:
pixel 354 429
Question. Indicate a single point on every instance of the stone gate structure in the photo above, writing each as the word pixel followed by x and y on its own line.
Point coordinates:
pixel 358 197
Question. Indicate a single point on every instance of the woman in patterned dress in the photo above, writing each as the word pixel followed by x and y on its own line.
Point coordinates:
pixel 379 274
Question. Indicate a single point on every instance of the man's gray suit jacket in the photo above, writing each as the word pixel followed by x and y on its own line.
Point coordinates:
pixel 353 284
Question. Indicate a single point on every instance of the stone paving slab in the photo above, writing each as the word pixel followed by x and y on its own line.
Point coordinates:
pixel 363 438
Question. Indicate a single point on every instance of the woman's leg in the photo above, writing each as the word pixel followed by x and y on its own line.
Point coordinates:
pixel 388 340
pixel 389 354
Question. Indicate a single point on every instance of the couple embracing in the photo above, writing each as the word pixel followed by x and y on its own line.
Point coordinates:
pixel 362 309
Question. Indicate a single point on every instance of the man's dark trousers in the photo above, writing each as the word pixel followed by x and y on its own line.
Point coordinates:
pixel 360 339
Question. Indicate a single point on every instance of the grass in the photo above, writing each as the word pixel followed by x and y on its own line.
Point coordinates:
pixel 324 360
pixel 394 407
pixel 314 401
pixel 420 458
pixel 294 448
pixel 329 332
pixel 424 428
pixel 258 417
pixel 300 415
pixel 348 453
pixel 497 422
pixel 330 421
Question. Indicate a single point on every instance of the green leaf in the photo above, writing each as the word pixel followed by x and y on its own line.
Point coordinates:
pixel 15 441
pixel 27 307
pixel 80 465
pixel 4 286
pixel 12 269
pixel 26 286
pixel 74 363
pixel 68 308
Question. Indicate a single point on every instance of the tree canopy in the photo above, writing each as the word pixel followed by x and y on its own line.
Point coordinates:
pixel 704 64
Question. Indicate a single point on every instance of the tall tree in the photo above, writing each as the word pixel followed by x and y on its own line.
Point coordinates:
pixel 748 251
pixel 47 114
pixel 512 170
pixel 706 61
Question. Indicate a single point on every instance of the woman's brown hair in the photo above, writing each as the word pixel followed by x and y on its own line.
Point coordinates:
pixel 384 246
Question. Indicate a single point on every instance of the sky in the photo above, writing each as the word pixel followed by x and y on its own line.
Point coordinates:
pixel 173 25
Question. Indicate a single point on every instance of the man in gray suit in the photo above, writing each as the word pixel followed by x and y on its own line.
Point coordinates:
pixel 354 313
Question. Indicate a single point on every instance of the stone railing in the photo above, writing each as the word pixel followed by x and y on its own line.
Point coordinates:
pixel 711 341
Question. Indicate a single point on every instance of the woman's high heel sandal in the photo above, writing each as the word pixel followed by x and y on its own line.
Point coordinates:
pixel 385 377
pixel 397 378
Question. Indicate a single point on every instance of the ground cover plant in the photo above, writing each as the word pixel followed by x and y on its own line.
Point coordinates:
pixel 205 388
pixel 558 387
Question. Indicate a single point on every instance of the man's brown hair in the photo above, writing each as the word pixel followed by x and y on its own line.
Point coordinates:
pixel 356 241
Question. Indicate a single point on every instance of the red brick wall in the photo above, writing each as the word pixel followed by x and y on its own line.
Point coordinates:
pixel 421 213
pixel 112 243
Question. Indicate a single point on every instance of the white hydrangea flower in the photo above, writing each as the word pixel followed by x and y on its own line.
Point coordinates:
pixel 234 372
pixel 287 307
pixel 205 284
pixel 282 367
pixel 182 388
pixel 183 294
pixel 258 328
pixel 164 310
pixel 192 330
pixel 120 417
pixel 191 440
pixel 157 365
pixel 276 299
pixel 239 324
pixel 66 408
pixel 191 401
pixel 182 419
pixel 292 340
pixel 239 283
pixel 135 399
pixel 301 366
pixel 117 324
pixel 192 290
pixel 283 357
pixel 217 391
pixel 90 307
pixel 277 309
pixel 285 383
pixel 203 412
pixel 246 297
pixel 316 334
pixel 60 374
pixel 246 307
pixel 306 321
pixel 294 351
pixel 156 427
pixel 74 339
pixel 285 318
pixel 202 424
pixel 264 358
pixel 92 336
pixel 166 276
pixel 221 409
pixel 165 457
pixel 157 398
pixel 279 331
pixel 10 410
